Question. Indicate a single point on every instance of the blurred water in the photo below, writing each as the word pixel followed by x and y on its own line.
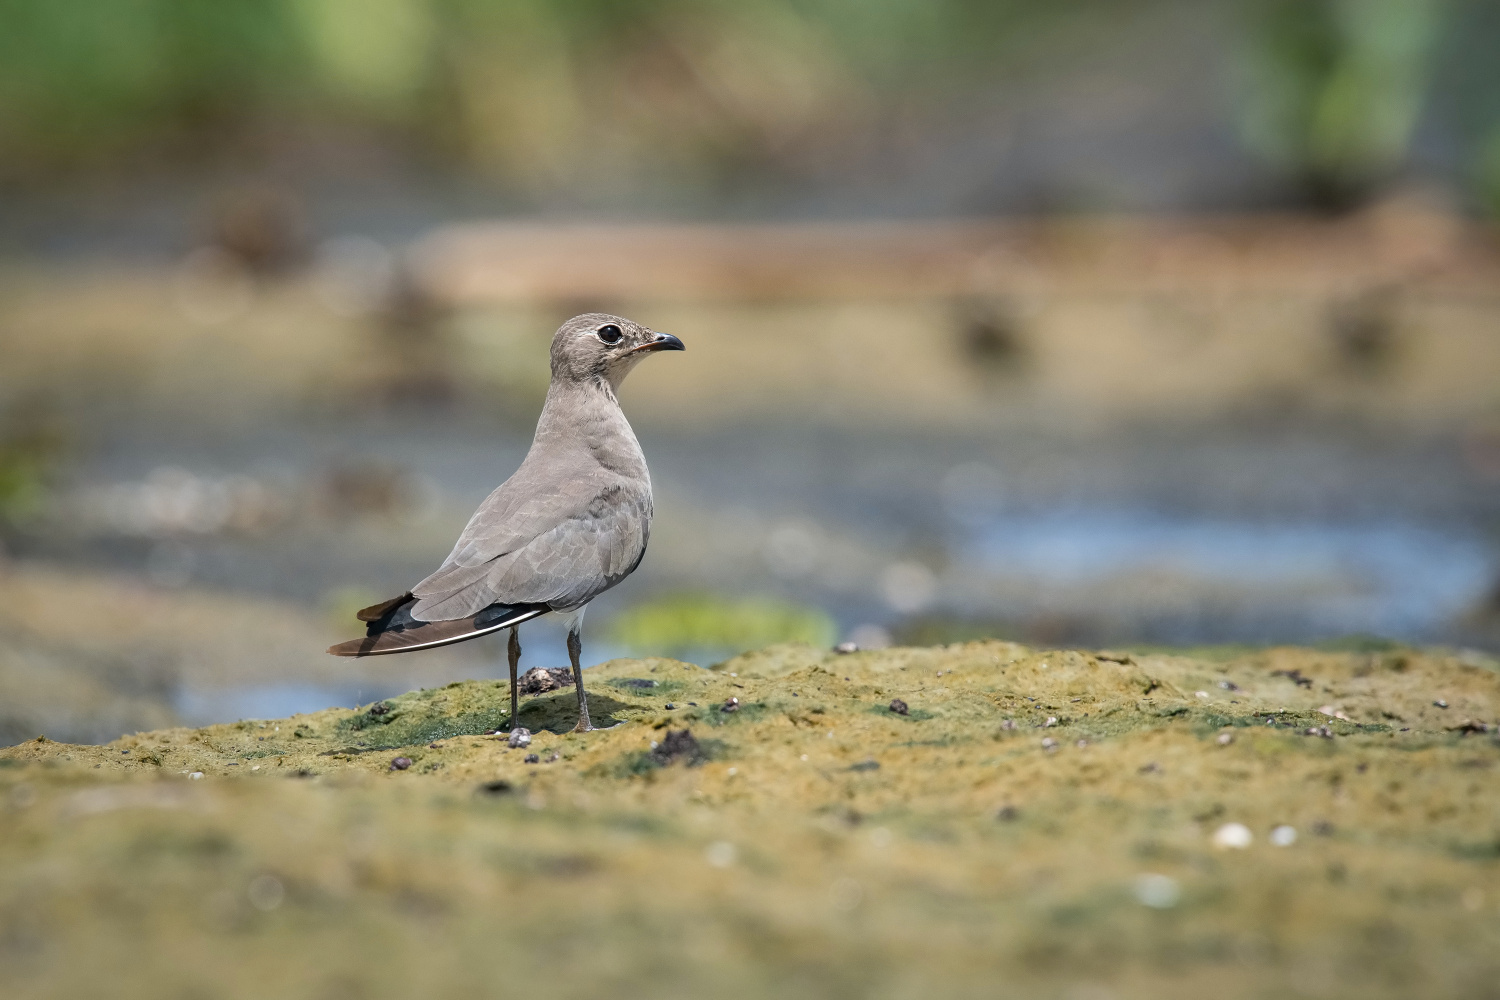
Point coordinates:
pixel 1218 535
pixel 1392 578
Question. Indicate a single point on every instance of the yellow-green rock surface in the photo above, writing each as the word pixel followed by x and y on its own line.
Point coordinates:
pixel 1038 824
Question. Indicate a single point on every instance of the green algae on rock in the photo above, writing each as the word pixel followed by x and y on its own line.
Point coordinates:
pixel 1039 823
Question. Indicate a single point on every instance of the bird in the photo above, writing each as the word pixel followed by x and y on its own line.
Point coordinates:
pixel 570 523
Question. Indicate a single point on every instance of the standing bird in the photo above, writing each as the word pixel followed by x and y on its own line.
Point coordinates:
pixel 571 523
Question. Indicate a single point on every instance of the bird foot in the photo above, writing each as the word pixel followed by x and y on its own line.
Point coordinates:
pixel 589 728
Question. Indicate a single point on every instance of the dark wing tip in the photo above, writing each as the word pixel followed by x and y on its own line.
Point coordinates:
pixel 375 612
pixel 353 647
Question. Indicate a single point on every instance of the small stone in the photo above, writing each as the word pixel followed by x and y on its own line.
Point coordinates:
pixel 379 708
pixel 1233 836
pixel 1051 721
pixel 540 680
pixel 400 763
pixel 846 648
pixel 1441 703
pixel 1283 835
pixel 720 854
pixel 1049 744
pixel 1082 744
pixel 899 707
pixel 868 764
pixel 554 756
pixel 531 758
pixel 1225 739
pixel 1229 685
pixel 434 746
pixel 1322 731
pixel 1201 694
pixel 678 745
pixel 732 705
pixel 196 775
pixel 1007 814
pixel 1008 724
pixel 670 706
pixel 1160 892
pixel 520 738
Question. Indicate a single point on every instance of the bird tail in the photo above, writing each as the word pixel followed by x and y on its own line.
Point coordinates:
pixel 391 628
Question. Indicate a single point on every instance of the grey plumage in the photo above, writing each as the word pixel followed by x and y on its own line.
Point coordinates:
pixel 573 521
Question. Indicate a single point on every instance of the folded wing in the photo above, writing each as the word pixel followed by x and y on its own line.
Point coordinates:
pixel 560 548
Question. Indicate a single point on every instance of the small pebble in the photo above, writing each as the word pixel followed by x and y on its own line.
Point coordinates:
pixel 400 763
pixel 1049 744
pixel 195 775
pixel 1160 892
pixel 1007 814
pixel 1082 744
pixel 846 648
pixel 1322 731
pixel 1201 694
pixel 1008 724
pixel 1225 739
pixel 732 705
pixel 1441 703
pixel 1233 836
pixel 899 707
pixel 520 738
pixel 531 758
pixel 1229 685
pixel 552 757
pixel 670 706
pixel 1283 835
pixel 1051 721
pixel 869 764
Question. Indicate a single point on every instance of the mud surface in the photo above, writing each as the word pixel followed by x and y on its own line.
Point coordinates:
pixel 1037 823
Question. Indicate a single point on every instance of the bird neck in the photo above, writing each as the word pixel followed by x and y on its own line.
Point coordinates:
pixel 586 414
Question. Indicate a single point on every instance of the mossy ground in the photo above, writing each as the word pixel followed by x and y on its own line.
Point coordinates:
pixel 974 860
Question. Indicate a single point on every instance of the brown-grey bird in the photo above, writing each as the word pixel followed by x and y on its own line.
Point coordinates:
pixel 572 521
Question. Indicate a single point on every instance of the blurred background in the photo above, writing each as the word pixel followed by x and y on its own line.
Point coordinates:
pixel 1159 322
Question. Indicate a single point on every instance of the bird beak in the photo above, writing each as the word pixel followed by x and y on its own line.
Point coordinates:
pixel 661 342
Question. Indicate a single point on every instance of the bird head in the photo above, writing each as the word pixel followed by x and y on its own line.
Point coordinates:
pixel 598 347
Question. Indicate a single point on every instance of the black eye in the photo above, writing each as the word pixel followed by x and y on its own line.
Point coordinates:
pixel 610 334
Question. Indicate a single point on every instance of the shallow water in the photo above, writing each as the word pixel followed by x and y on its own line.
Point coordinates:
pixel 1221 534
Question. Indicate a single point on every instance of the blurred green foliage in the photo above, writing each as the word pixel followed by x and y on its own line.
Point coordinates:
pixel 546 95
pixel 28 462
pixel 1336 87
pixel 687 623
pixel 510 86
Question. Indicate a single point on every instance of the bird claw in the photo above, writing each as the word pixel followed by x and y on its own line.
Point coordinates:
pixel 581 728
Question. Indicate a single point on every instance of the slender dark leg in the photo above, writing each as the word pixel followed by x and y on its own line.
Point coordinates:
pixel 514 650
pixel 575 651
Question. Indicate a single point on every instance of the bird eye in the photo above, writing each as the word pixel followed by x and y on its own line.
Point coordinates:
pixel 610 334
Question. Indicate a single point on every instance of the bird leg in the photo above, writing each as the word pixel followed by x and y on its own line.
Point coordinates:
pixel 575 651
pixel 514 651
